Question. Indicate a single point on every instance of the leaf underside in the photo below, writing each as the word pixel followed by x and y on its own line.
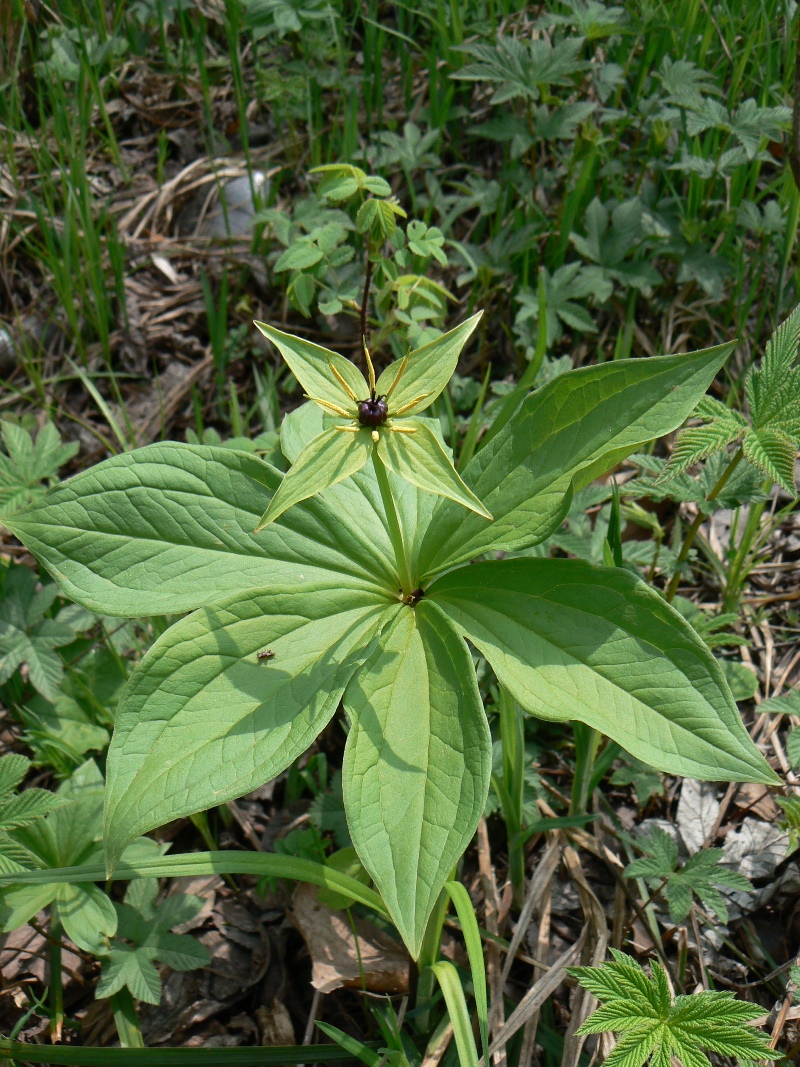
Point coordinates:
pixel 574 641
pixel 417 762
pixel 203 720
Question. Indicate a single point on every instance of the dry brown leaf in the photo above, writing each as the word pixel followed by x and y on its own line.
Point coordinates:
pixel 276 1025
pixel 334 956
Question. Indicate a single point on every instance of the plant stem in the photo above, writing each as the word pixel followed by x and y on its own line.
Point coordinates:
pixel 699 519
pixel 393 526
pixel 56 985
pixel 429 954
pixel 126 1019
pixel 587 742
pixel 734 579
pixel 512 736
pixel 365 298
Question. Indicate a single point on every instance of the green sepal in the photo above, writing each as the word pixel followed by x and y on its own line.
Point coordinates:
pixel 311 365
pixel 328 459
pixel 419 458
pixel 428 369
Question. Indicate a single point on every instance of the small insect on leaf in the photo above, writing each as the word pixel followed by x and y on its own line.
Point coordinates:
pixel 265 653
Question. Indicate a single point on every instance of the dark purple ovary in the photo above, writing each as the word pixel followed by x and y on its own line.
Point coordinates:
pixel 373 412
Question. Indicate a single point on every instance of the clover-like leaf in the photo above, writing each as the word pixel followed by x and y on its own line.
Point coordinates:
pixel 654 1025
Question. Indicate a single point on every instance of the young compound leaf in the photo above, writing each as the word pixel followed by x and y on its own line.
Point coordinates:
pixel 773 393
pixel 700 875
pixel 424 373
pixel 417 763
pixel 420 459
pixel 143 936
pixel 328 459
pixel 655 1027
pixel 26 636
pixel 203 720
pixel 169 528
pixel 26 464
pixel 566 434
pixel 573 641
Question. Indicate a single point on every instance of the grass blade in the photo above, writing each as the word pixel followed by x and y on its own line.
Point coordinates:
pixel 472 939
pixel 448 979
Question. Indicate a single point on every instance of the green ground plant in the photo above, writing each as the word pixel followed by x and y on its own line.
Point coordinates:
pixel 655 1026
pixel 385 592
pixel 605 180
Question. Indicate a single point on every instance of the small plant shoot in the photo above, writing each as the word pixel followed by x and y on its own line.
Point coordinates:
pixel 349 577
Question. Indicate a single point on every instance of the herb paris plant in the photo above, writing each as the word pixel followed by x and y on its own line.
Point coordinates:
pixel 355 584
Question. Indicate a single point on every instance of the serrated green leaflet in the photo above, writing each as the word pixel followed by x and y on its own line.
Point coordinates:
pixel 328 459
pixel 426 371
pixel 169 528
pixel 573 641
pixel 203 720
pixel 566 434
pixel 419 458
pixel 416 767
pixel 313 366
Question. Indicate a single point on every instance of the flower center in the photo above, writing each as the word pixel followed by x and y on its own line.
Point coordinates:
pixel 373 412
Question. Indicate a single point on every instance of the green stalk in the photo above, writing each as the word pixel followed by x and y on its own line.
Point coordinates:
pixel 734 580
pixel 512 736
pixel 126 1019
pixel 56 985
pixel 699 519
pixel 428 955
pixel 587 742
pixel 393 526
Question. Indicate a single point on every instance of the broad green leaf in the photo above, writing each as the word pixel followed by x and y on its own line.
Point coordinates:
pixel 328 459
pixel 419 458
pixel 426 371
pixel 417 762
pixel 566 434
pixel 88 916
pixel 311 365
pixel 169 528
pixel 203 720
pixel 19 904
pixel 573 641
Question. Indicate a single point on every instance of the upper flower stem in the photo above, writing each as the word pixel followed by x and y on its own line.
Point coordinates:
pixel 393 527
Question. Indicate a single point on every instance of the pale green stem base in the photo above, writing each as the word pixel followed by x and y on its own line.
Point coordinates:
pixel 393 526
